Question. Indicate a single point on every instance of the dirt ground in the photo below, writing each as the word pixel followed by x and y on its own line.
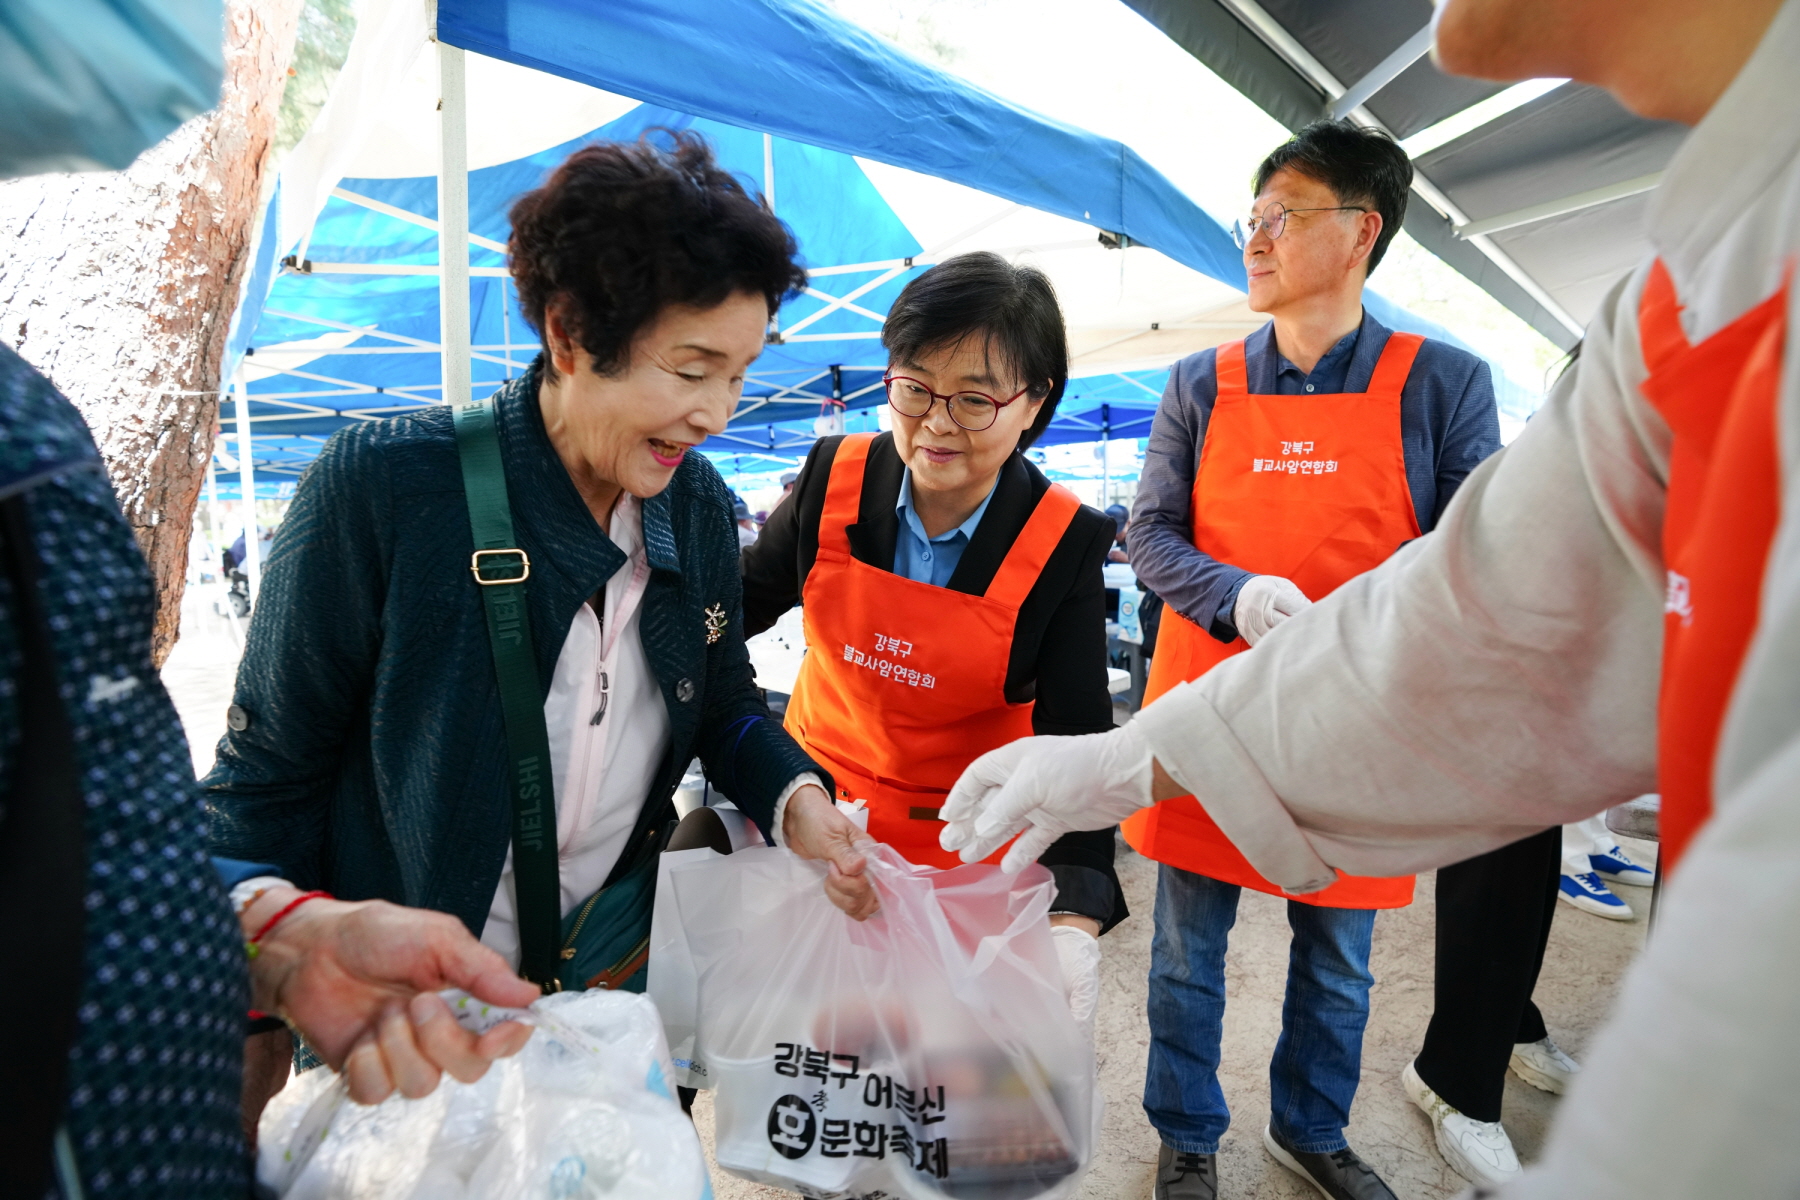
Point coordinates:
pixel 1582 972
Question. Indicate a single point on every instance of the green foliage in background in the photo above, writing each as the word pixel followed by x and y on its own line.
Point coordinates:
pixel 326 27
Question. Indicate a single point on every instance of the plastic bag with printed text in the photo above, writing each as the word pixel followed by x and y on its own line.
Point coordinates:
pixel 583 1112
pixel 927 1052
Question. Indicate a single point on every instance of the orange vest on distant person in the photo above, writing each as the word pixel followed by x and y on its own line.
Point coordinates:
pixel 1311 488
pixel 1724 502
pixel 904 683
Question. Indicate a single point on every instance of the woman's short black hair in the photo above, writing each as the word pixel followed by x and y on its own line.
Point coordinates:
pixel 1012 308
pixel 622 230
pixel 1360 166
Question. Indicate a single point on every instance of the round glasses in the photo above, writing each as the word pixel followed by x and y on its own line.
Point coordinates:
pixel 1273 221
pixel 974 411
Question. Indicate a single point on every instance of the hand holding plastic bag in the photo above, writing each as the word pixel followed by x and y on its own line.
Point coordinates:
pixel 584 1111
pixel 928 1051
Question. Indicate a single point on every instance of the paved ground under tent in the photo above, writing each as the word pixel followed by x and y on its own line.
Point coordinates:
pixel 1586 961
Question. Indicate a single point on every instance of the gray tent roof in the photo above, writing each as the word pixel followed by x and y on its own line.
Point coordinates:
pixel 1541 206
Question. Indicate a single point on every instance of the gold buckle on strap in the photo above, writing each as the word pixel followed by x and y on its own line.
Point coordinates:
pixel 523 566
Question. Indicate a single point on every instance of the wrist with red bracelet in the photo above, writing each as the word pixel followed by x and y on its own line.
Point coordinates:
pixel 253 946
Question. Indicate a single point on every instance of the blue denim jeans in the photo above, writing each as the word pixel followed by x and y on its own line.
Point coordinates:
pixel 1318 1058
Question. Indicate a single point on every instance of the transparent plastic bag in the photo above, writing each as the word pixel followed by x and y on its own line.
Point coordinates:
pixel 926 1052
pixel 584 1111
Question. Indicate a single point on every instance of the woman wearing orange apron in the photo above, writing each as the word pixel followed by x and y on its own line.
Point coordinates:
pixel 952 595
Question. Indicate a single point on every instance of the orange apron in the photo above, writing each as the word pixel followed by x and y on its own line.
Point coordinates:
pixel 904 683
pixel 1724 501
pixel 1311 488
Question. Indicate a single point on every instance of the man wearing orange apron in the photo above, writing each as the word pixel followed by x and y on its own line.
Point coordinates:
pixel 1609 607
pixel 1266 486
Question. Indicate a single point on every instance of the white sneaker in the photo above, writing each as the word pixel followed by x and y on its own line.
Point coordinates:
pixel 1479 1151
pixel 1544 1066
pixel 1589 894
pixel 1614 866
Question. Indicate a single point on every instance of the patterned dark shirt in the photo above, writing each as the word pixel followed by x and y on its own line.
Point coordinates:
pixel 155 1069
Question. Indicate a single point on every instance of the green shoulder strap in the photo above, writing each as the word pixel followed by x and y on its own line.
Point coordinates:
pixel 501 569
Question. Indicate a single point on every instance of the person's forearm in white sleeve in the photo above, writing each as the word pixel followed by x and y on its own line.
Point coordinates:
pixel 1704 1038
pixel 1495 677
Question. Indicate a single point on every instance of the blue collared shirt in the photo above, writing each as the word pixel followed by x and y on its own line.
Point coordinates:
pixel 1448 424
pixel 930 559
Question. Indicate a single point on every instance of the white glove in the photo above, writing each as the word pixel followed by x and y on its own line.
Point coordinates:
pixel 1078 953
pixel 1264 602
pixel 1054 785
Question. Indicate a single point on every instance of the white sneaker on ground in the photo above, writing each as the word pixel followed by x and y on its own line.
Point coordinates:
pixel 1589 894
pixel 1544 1066
pixel 1479 1151
pixel 1615 867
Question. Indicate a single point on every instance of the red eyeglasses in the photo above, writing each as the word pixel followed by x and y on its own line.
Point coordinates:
pixel 974 411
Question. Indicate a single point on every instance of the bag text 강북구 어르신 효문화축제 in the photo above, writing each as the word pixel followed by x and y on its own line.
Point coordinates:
pixel 926 1052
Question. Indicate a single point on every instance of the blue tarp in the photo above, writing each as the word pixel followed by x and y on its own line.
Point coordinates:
pixel 835 212
pixel 797 70
pixel 1114 407
pixel 825 90
pixel 824 87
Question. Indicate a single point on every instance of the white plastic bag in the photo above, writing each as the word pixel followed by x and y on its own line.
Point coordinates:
pixel 584 1111
pixel 926 1052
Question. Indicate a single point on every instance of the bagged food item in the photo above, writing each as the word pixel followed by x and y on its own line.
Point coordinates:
pixel 926 1052
pixel 583 1112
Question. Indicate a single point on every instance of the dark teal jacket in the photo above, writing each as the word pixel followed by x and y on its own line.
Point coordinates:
pixel 371 758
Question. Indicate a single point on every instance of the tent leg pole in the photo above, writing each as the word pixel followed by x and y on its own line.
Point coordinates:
pixel 212 503
pixel 247 485
pixel 453 225
pixel 1105 460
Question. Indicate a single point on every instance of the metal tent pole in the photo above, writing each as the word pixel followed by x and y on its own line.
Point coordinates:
pixel 247 484
pixel 1105 462
pixel 453 224
pixel 774 333
pixel 212 501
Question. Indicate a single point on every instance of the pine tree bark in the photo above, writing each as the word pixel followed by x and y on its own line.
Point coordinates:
pixel 120 287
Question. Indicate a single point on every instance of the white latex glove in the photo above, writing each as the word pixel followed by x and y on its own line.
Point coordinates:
pixel 1078 953
pixel 1264 602
pixel 1046 786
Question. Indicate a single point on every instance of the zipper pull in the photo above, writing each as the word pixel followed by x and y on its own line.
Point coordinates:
pixel 604 693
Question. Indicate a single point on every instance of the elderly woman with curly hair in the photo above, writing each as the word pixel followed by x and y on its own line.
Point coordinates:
pixel 370 751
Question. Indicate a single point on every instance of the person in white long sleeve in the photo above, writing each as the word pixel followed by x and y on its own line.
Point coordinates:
pixel 1629 552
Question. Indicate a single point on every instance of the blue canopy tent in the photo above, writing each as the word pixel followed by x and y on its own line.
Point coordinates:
pixel 794 69
pixel 355 323
pixel 349 325
pixel 345 323
pixel 1114 406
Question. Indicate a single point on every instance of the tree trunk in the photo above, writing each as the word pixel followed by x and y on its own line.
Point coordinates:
pixel 120 287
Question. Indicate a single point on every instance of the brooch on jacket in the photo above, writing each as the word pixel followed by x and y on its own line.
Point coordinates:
pixel 715 623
